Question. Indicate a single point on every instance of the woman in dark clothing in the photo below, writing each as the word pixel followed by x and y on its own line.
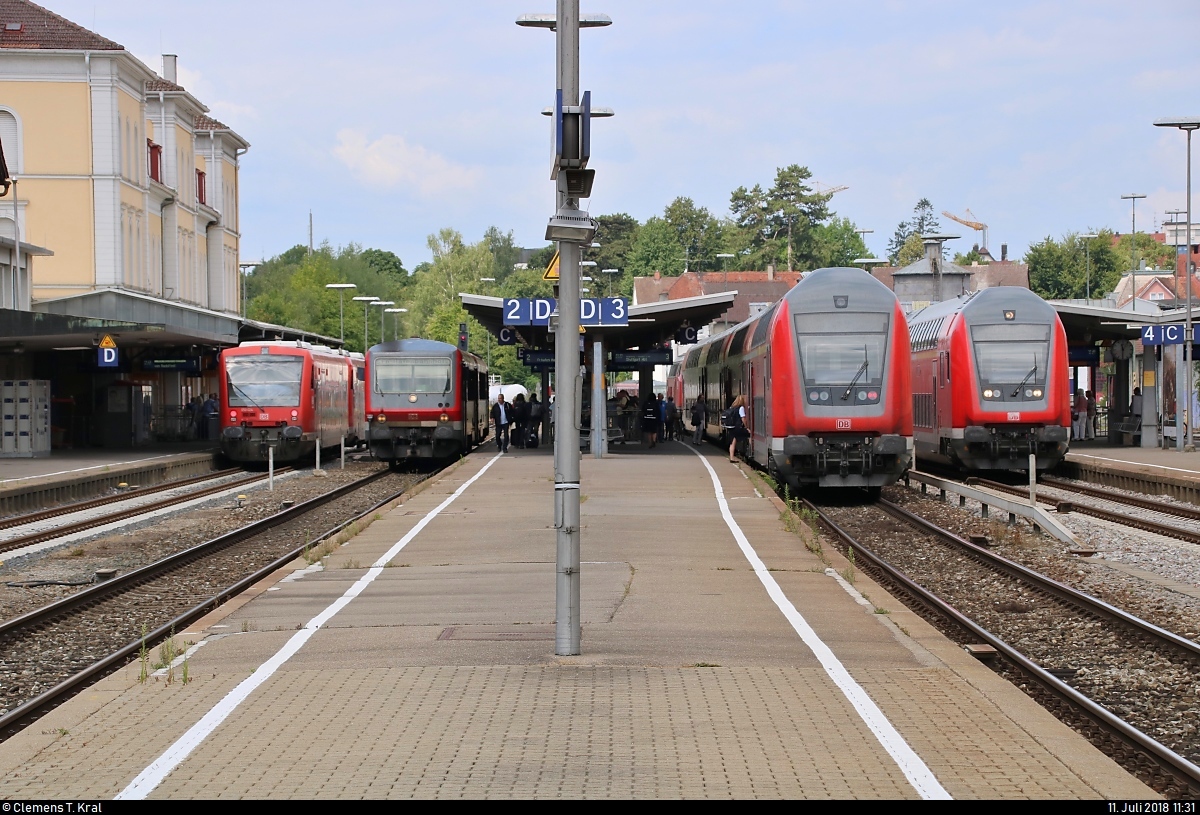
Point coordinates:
pixel 651 420
pixel 520 419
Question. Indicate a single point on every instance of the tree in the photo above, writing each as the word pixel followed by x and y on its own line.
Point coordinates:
pixel 923 222
pixel 778 225
pixel 836 243
pixel 970 257
pixel 1157 255
pixel 656 249
pixel 504 252
pixel 1060 269
pixel 697 232
pixel 386 262
pixel 616 235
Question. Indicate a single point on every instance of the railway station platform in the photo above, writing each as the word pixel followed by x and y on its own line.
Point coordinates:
pixel 721 658
pixel 72 475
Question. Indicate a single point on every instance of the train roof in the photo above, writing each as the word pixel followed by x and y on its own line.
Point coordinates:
pixel 986 302
pixel 285 346
pixel 817 290
pixel 419 346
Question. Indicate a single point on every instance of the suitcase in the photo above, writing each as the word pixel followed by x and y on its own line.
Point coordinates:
pixel 531 439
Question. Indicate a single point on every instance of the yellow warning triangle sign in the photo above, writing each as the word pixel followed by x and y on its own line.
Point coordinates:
pixel 107 342
pixel 551 272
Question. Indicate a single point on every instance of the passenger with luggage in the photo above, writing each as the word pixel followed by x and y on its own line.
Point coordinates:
pixel 734 422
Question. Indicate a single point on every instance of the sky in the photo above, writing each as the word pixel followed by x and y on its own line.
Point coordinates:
pixel 392 120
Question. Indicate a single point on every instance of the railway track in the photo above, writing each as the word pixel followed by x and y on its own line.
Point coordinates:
pixel 1079 656
pixel 1115 516
pixel 71 643
pixel 21 541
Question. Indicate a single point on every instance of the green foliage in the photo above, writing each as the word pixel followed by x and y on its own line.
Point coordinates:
pixel 656 249
pixel 912 250
pixel 923 222
pixel 970 257
pixel 615 234
pixel 697 232
pixel 1157 255
pixel 779 226
pixel 835 243
pixel 1059 269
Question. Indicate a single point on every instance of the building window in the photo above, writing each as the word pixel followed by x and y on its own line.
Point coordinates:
pixel 1158 295
pixel 201 194
pixel 155 152
pixel 10 137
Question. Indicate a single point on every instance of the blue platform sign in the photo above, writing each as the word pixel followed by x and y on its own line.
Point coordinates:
pixel 594 312
pixel 1165 334
pixel 108 358
pixel 506 336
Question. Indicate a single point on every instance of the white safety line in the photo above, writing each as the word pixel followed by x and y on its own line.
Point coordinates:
pixel 174 755
pixel 914 769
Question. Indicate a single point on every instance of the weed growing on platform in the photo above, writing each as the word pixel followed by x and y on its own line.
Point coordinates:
pixel 848 573
pixel 144 659
pixel 185 678
pixel 78 551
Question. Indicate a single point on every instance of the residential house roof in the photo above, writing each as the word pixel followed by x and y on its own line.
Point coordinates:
pixel 28 25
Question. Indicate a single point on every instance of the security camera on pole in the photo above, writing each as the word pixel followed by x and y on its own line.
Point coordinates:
pixel 571 228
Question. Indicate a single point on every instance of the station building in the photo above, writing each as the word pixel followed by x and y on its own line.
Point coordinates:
pixel 125 207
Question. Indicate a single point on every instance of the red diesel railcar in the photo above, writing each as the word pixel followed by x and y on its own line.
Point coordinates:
pixel 287 396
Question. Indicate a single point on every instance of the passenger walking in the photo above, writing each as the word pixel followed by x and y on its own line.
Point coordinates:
pixel 520 409
pixel 502 417
pixel 651 420
pixel 1091 415
pixel 672 414
pixel 734 421
pixel 537 412
pixel 699 419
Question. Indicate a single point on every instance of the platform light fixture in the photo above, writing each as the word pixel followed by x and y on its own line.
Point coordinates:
pixel 572 225
pixel 341 290
pixel 366 301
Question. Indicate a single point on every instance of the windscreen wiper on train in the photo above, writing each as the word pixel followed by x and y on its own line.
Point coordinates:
pixel 246 396
pixel 1032 371
pixel 862 369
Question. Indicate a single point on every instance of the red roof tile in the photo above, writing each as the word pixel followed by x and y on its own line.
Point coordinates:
pixel 203 122
pixel 41 28
pixel 162 85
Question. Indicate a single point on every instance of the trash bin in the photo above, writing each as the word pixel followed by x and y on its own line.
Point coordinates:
pixel 210 427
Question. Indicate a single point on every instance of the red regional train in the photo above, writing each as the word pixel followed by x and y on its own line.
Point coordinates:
pixel 989 373
pixel 826 374
pixel 289 396
pixel 425 400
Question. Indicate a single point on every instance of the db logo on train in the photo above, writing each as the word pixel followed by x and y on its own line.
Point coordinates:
pixel 843 424
pixel 1014 416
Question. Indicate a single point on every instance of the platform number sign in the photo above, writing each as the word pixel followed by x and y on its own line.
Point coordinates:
pixel 107 355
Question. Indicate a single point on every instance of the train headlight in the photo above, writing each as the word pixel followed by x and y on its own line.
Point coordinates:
pixel 813 396
pixel 380 418
pixel 988 393
pixel 824 396
pixel 295 414
pixel 862 396
pixel 445 417
pixel 872 395
pixel 232 415
pixel 1029 393
pixel 1037 393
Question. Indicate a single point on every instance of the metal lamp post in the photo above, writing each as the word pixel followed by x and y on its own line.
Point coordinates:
pixel 608 284
pixel 571 229
pixel 366 301
pixel 489 334
pixel 1187 124
pixel 242 267
pixel 1133 199
pixel 862 233
pixel 1087 253
pixel 724 256
pixel 383 304
pixel 396 323
pixel 341 290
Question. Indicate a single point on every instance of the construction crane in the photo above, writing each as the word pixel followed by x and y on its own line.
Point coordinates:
pixel 973 224
pixel 817 187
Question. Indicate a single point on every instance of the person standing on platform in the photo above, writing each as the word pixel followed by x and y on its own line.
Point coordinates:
pixel 699 419
pixel 502 418
pixel 520 409
pixel 209 411
pixel 735 421
pixel 1078 415
pixel 1091 415
pixel 536 413
pixel 672 414
pixel 651 420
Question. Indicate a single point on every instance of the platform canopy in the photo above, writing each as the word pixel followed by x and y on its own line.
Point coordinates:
pixel 649 324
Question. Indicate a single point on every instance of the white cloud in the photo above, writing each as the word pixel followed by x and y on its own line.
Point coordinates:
pixel 390 161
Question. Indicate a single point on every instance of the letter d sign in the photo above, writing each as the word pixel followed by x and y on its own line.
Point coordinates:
pixel 107 358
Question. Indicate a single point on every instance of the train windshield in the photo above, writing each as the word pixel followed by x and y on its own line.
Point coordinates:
pixel 1011 354
pixel 411 374
pixel 262 380
pixel 842 349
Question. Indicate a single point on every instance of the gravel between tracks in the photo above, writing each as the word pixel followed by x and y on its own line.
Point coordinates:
pixel 28 666
pixel 1156 691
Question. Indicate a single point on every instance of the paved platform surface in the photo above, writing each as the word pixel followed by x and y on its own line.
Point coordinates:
pixel 63 464
pixel 438 677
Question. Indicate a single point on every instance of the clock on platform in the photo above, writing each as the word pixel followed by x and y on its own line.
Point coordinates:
pixel 1122 349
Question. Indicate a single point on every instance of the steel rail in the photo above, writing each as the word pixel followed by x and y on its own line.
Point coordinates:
pixel 1175 766
pixel 136 492
pixel 123 514
pixel 1178 510
pixel 1144 524
pixel 29 711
